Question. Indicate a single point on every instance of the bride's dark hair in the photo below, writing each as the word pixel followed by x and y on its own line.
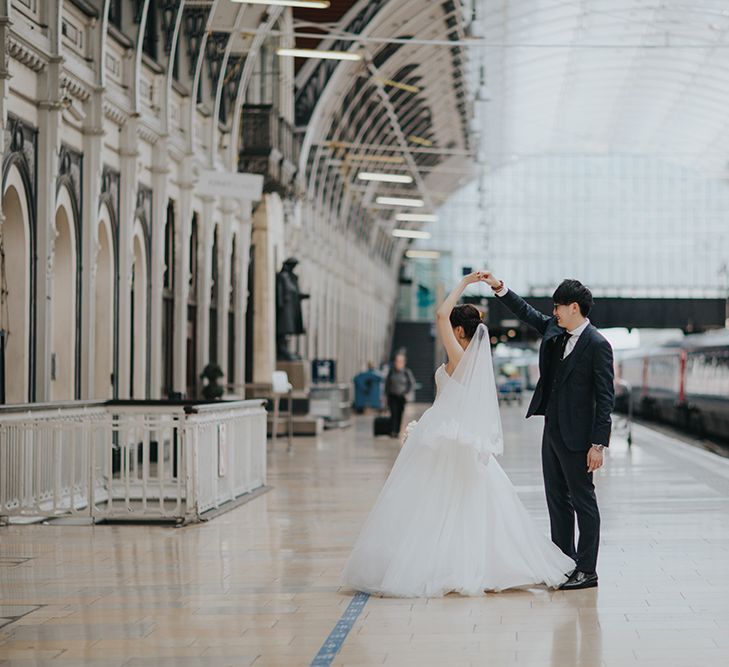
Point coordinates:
pixel 467 316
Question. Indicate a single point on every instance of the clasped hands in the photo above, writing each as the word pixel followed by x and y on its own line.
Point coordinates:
pixel 481 277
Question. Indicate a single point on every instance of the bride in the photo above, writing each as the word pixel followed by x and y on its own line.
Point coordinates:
pixel 448 519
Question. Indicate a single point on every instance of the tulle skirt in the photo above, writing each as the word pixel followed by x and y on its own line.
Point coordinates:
pixel 448 521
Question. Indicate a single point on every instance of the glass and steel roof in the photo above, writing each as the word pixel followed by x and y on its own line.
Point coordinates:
pixel 646 77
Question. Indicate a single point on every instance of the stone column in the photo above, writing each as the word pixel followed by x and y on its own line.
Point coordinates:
pixel 241 302
pixel 90 193
pixel 160 173
pixel 182 275
pixel 204 282
pixel 264 298
pixel 49 144
pixel 225 245
pixel 127 210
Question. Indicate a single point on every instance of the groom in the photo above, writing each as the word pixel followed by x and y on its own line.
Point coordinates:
pixel 575 394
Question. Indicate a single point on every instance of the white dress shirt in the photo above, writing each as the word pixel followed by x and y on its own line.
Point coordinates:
pixel 574 334
pixel 574 337
pixel 571 341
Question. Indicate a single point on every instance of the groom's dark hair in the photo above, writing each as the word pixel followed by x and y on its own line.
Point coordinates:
pixel 573 291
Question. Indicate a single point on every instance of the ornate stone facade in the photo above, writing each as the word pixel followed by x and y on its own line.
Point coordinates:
pixel 112 131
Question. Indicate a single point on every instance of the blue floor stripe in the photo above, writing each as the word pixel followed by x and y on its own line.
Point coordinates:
pixel 334 641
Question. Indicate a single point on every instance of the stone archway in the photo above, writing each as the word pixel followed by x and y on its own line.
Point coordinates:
pixel 16 283
pixel 104 309
pixel 63 303
pixel 138 319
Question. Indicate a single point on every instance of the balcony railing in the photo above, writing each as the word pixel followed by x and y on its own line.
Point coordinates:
pixel 129 460
pixel 268 146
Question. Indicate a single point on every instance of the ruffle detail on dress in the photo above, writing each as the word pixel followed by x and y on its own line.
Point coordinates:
pixel 449 433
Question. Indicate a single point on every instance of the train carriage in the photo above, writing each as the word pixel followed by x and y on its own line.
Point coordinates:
pixel 685 384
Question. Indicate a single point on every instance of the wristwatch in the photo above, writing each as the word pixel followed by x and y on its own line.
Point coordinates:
pixel 599 448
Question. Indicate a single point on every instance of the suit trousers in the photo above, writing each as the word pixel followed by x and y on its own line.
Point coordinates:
pixel 570 492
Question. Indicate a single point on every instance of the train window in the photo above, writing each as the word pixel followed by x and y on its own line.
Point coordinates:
pixel 707 373
pixel 663 373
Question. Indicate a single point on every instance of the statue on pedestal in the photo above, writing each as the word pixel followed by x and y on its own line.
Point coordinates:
pixel 289 320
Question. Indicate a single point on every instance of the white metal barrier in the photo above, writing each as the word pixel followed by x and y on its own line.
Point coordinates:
pixel 127 460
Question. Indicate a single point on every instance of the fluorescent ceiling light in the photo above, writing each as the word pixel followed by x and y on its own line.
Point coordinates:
pixel 400 201
pixel 309 4
pixel 390 159
pixel 410 234
pixel 422 254
pixel 384 178
pixel 416 217
pixel 420 140
pixel 402 86
pixel 316 53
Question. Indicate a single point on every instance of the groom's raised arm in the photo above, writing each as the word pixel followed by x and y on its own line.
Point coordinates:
pixel 519 307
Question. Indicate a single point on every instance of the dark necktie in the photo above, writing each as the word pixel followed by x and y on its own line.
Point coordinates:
pixel 563 343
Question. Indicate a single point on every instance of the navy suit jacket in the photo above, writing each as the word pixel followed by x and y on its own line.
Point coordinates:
pixel 586 391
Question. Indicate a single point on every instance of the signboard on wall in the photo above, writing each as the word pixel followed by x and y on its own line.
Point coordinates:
pixel 230 184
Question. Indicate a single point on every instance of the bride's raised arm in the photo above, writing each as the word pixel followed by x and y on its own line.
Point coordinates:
pixel 443 322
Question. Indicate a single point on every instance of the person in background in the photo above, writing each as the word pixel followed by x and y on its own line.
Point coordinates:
pixel 399 383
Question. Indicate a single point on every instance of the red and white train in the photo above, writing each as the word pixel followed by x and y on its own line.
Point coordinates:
pixel 685 384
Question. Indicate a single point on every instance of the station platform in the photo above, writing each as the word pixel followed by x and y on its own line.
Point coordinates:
pixel 259 585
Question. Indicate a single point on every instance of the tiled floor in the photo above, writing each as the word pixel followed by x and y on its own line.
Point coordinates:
pixel 258 586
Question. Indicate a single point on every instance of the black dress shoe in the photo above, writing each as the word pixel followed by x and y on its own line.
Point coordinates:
pixel 578 580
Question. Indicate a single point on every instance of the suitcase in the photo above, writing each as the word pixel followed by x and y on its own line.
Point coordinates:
pixel 382 425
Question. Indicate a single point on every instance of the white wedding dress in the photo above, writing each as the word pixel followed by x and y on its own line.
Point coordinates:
pixel 448 519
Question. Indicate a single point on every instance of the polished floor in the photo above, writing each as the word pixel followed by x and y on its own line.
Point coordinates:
pixel 259 585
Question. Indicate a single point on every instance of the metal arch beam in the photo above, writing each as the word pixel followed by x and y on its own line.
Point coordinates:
pixel 321 109
pixel 103 41
pixel 327 185
pixel 138 56
pixel 171 65
pixel 261 34
pixel 413 23
pixel 198 76
pixel 412 57
pixel 220 85
pixel 355 106
pixel 416 150
pixel 328 40
pixel 338 181
pixel 343 183
pixel 213 126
